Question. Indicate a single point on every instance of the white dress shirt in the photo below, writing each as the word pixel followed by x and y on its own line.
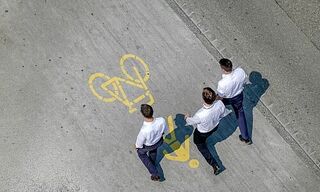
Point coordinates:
pixel 208 117
pixel 231 84
pixel 151 132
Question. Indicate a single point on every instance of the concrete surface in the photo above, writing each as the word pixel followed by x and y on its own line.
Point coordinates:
pixel 55 135
pixel 260 36
pixel 306 15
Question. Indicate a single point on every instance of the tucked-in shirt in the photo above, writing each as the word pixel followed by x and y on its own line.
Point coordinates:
pixel 231 84
pixel 208 117
pixel 151 132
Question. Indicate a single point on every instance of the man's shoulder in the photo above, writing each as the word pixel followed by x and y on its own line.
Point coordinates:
pixel 160 120
pixel 201 112
pixel 219 103
pixel 239 70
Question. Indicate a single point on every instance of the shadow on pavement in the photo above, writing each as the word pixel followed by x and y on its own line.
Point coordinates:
pixel 252 95
pixel 173 141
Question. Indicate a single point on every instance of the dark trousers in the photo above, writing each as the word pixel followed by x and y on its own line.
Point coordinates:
pixel 148 155
pixel 200 139
pixel 236 103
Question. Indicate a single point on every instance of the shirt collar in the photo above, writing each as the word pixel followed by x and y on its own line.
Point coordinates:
pixel 148 123
pixel 226 75
pixel 208 107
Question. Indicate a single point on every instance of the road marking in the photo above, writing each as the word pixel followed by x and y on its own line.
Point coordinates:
pixel 180 152
pixel 114 86
pixel 193 163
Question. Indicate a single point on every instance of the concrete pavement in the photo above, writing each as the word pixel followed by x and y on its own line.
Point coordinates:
pixel 57 134
pixel 305 14
pixel 261 36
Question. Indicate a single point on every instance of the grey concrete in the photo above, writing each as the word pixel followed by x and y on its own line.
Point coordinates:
pixel 56 136
pixel 306 15
pixel 260 36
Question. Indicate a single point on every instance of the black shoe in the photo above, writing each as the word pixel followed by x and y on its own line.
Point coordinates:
pixel 247 141
pixel 216 169
pixel 155 178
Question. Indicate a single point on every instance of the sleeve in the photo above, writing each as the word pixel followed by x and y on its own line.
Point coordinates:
pixel 220 90
pixel 193 120
pixel 140 140
pixel 224 111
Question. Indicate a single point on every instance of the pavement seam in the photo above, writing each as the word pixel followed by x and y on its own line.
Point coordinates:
pixel 217 50
pixel 313 43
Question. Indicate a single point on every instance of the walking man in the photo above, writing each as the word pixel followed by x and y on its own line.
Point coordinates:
pixel 149 139
pixel 230 91
pixel 206 121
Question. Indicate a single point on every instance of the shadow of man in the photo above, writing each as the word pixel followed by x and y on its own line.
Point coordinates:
pixel 173 141
pixel 252 94
pixel 228 125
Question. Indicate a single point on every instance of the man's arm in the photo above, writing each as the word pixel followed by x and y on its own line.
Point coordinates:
pixel 219 97
pixel 220 92
pixel 246 79
pixel 224 112
pixel 166 128
pixel 140 140
pixel 192 120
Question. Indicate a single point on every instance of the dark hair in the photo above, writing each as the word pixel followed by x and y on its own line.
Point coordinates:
pixel 208 95
pixel 146 110
pixel 226 64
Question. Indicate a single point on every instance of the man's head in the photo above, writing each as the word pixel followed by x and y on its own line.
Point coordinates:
pixel 226 65
pixel 208 95
pixel 146 111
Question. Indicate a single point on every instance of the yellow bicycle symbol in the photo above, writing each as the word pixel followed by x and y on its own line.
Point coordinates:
pixel 111 89
pixel 113 86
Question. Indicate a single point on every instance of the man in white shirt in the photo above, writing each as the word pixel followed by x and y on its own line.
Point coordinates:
pixel 206 121
pixel 149 139
pixel 230 91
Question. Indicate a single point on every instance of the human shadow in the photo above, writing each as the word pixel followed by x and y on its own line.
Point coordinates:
pixel 174 141
pixel 228 125
pixel 252 94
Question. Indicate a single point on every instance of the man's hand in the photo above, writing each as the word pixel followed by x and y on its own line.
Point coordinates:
pixel 219 98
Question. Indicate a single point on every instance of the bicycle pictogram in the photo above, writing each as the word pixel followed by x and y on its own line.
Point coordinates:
pixel 113 90
pixel 114 86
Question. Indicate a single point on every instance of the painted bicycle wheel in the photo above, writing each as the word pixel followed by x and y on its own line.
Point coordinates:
pixel 95 77
pixel 145 75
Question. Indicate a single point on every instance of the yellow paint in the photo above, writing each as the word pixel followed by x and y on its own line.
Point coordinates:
pixel 125 72
pixel 171 128
pixel 193 163
pixel 181 152
pixel 117 92
pixel 113 87
pixel 104 77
